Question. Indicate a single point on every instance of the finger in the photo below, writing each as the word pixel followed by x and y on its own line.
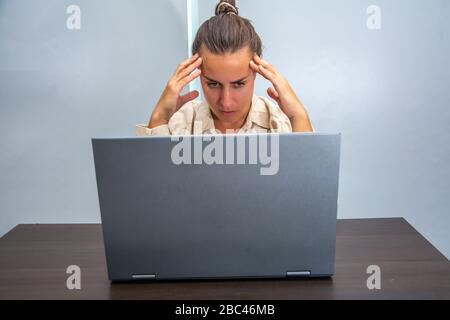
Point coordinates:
pixel 266 74
pixel 274 95
pixel 253 66
pixel 189 78
pixel 187 97
pixel 261 71
pixel 274 78
pixel 264 63
pixel 186 62
pixel 189 69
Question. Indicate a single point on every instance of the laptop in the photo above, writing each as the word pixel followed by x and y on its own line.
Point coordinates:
pixel 218 206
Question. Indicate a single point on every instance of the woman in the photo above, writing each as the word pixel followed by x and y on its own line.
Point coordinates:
pixel 227 52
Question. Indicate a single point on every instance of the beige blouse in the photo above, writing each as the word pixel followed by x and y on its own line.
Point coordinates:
pixel 195 118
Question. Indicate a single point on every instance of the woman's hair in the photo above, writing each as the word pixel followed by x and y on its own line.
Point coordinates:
pixel 227 32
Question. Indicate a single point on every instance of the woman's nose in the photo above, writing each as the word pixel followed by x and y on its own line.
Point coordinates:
pixel 225 98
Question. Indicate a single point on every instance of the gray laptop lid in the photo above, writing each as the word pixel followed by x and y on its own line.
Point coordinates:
pixel 163 219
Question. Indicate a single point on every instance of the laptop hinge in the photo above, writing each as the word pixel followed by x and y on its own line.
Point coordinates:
pixel 144 276
pixel 298 274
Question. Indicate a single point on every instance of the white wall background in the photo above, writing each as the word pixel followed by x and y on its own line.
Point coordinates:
pixel 386 91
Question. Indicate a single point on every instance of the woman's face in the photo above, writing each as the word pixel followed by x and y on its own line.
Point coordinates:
pixel 228 82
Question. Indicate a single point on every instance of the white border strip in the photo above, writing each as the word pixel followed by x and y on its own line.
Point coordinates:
pixel 192 27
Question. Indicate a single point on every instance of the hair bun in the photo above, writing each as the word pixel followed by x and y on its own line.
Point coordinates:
pixel 224 7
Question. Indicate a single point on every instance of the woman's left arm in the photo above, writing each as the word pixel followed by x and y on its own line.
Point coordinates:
pixel 283 94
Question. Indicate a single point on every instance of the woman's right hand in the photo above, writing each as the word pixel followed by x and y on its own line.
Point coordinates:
pixel 170 100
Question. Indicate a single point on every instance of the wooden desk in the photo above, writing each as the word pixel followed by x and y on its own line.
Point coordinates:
pixel 34 258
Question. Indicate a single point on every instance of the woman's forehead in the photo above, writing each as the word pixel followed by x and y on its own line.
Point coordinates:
pixel 229 66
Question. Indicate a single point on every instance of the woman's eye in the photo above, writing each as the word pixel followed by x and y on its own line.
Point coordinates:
pixel 212 84
pixel 215 84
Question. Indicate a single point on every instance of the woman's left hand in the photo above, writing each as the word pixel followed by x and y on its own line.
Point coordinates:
pixel 281 91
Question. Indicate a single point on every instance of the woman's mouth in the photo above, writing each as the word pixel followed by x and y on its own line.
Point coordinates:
pixel 227 113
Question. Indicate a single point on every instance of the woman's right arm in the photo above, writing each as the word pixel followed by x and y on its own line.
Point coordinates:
pixel 170 100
